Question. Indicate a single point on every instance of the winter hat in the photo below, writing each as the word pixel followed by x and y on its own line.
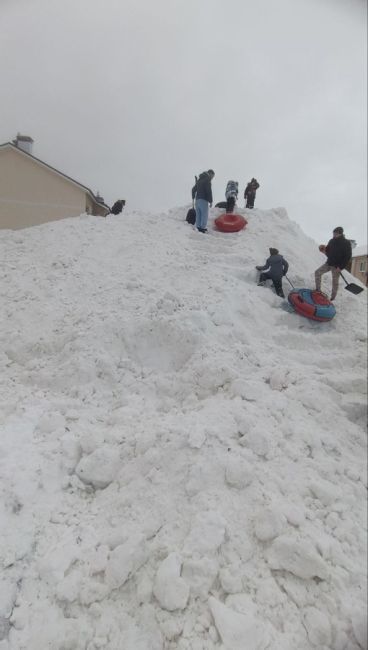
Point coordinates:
pixel 210 171
pixel 339 230
pixel 274 251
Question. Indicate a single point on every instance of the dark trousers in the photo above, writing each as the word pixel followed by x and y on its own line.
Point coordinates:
pixel 230 204
pixel 277 283
pixel 250 200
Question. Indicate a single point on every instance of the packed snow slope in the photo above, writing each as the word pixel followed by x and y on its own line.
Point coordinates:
pixel 182 460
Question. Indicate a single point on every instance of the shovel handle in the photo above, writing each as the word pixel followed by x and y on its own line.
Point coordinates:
pixel 343 278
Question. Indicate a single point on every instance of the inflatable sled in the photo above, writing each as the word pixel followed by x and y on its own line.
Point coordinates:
pixel 311 304
pixel 230 222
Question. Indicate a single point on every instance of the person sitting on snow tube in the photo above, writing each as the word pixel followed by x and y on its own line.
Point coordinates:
pixel 278 267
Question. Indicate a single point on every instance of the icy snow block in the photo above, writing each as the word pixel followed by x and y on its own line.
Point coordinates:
pixel 99 468
pixel 171 591
pixel 297 556
pixel 237 631
pixel 125 560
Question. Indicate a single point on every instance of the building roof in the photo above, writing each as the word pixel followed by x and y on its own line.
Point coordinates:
pixel 360 251
pixel 41 162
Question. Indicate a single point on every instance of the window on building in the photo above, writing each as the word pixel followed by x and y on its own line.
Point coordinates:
pixel 362 267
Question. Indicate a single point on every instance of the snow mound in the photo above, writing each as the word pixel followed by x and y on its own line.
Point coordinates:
pixel 182 459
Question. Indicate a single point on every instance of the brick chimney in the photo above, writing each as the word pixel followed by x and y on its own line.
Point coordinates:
pixel 23 142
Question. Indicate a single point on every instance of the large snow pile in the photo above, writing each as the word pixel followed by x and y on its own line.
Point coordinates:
pixel 182 461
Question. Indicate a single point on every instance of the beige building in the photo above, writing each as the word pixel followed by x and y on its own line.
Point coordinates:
pixel 359 264
pixel 32 192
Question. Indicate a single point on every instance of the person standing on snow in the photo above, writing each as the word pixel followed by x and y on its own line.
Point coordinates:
pixel 250 193
pixel 278 267
pixel 202 192
pixel 117 207
pixel 231 194
pixel 339 253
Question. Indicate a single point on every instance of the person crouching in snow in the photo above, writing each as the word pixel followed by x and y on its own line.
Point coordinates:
pixel 231 193
pixel 278 267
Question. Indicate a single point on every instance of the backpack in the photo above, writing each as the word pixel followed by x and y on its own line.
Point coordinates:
pixel 191 216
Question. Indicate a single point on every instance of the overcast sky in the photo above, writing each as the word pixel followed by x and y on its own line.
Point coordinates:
pixel 134 97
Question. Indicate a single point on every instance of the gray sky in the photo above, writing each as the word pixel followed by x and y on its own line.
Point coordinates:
pixel 134 97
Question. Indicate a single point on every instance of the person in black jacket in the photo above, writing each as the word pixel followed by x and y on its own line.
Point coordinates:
pixel 278 267
pixel 202 193
pixel 338 251
pixel 117 207
pixel 250 193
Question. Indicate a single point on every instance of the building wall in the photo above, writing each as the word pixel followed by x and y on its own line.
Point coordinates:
pixel 32 194
pixel 359 268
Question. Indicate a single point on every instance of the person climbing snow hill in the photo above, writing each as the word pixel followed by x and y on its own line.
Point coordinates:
pixel 278 267
pixel 250 193
pixel 231 193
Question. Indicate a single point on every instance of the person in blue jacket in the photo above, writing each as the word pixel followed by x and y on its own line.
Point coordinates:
pixel 274 269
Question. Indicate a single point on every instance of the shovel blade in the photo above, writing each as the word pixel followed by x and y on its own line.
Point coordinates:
pixel 353 288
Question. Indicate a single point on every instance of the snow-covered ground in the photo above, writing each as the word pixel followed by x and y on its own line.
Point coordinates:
pixel 182 461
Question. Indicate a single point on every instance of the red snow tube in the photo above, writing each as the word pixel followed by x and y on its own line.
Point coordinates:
pixel 312 304
pixel 230 222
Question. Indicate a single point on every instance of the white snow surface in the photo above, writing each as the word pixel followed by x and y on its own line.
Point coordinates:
pixel 182 460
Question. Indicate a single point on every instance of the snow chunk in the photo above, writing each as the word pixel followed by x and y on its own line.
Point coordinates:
pixel 269 524
pixel 279 379
pixel 71 452
pixel 238 473
pixel 196 439
pixel 99 468
pixel 207 534
pixel 297 556
pixel 294 514
pixel 200 574
pixel 318 627
pixel 230 580
pixel 257 441
pixel 125 560
pixel 237 631
pixel 170 589
pixel 92 591
pixel 325 491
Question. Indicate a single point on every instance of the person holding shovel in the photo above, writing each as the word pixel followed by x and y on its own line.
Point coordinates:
pixel 338 252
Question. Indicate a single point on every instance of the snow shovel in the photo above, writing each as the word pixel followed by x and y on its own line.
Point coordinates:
pixel 289 281
pixel 353 288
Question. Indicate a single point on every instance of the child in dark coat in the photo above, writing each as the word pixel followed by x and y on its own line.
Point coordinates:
pixel 278 267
